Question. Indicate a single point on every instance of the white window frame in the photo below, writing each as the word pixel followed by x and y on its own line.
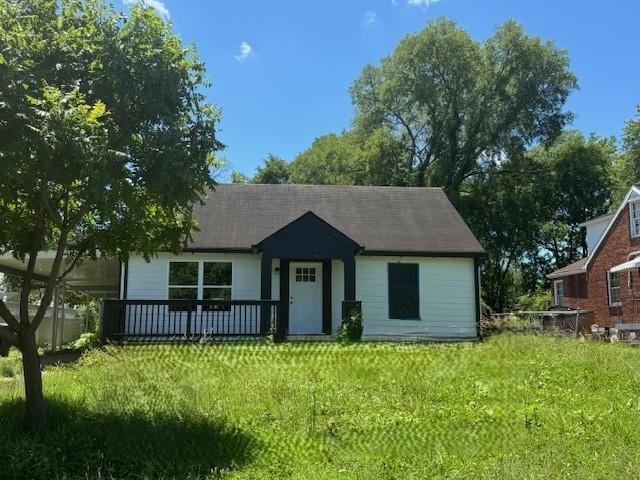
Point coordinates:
pixel 230 287
pixel 196 286
pixel 609 289
pixel 200 287
pixel 305 274
pixel 556 296
pixel 634 218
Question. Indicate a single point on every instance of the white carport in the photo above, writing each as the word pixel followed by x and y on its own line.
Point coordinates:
pixel 98 277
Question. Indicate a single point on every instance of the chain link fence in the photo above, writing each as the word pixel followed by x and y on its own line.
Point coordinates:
pixel 554 322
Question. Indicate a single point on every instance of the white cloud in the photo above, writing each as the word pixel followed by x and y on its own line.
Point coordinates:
pixel 370 17
pixel 157 5
pixel 419 3
pixel 245 52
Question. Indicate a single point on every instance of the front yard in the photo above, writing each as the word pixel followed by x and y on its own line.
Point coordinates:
pixel 512 407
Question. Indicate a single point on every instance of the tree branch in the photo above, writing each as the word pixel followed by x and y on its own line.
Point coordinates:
pixel 8 317
pixel 31 265
pixel 55 216
pixel 7 339
pixel 53 280
pixel 80 252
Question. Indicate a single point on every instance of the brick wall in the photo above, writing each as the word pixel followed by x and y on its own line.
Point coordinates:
pixel 615 250
pixel 575 292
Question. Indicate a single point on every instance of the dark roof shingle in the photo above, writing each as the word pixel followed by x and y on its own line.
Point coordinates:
pixel 380 219
pixel 571 269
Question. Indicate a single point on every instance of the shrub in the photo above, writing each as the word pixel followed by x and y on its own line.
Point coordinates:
pixel 536 301
pixel 351 328
pixel 89 312
pixel 10 366
pixel 87 341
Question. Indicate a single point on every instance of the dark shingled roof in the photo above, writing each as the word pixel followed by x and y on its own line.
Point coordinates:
pixel 380 219
pixel 571 269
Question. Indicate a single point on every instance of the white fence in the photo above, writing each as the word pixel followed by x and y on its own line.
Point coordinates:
pixel 58 326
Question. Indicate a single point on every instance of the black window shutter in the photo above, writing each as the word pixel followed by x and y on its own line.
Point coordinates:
pixel 403 291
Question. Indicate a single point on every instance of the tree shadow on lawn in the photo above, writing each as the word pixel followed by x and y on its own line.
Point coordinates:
pixel 84 444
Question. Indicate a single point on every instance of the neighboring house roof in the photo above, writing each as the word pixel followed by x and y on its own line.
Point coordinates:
pixel 581 265
pixel 632 194
pixel 380 219
pixel 571 269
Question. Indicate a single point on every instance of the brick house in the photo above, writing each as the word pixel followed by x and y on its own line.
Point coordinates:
pixel 607 280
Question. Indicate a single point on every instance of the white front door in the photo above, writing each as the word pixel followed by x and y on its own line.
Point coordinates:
pixel 305 298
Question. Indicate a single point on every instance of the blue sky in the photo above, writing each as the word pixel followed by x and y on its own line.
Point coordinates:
pixel 281 69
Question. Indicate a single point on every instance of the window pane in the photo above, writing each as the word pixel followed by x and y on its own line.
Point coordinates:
pixel 403 291
pixel 614 288
pixel 183 294
pixel 614 279
pixel 216 294
pixel 559 297
pixel 217 273
pixel 183 273
pixel 615 295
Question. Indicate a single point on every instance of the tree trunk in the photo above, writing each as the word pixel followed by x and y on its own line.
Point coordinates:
pixel 35 418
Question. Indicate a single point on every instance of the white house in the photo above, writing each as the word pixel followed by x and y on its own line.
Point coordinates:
pixel 289 256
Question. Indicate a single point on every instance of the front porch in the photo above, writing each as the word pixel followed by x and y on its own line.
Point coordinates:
pixel 296 290
pixel 306 249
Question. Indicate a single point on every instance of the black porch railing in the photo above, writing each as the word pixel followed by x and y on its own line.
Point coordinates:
pixel 188 319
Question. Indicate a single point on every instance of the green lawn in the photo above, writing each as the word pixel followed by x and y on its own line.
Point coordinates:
pixel 513 407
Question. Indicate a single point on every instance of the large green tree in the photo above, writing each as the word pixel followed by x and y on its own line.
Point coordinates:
pixel 502 205
pixel 452 101
pixel 627 170
pixel 578 186
pixel 274 170
pixel 354 157
pixel 526 210
pixel 331 160
pixel 105 145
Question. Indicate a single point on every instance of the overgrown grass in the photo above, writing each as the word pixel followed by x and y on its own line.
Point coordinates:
pixel 516 407
pixel 10 366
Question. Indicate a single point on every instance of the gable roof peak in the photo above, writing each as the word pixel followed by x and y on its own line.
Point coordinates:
pixel 634 191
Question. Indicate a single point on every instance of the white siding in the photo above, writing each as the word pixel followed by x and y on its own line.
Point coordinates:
pixel 447 290
pixel 447 297
pixel 149 280
pixel 595 231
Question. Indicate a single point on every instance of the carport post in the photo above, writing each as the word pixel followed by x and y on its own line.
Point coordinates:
pixel 62 298
pixel 54 318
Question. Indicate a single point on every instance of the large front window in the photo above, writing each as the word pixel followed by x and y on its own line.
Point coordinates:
pixel 200 280
pixel 634 215
pixel 614 288
pixel 403 291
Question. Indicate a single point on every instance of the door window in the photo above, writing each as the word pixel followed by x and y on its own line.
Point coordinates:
pixel 305 274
